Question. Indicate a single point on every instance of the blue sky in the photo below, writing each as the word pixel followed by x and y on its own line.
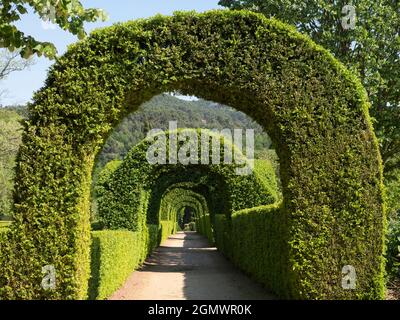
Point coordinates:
pixel 22 85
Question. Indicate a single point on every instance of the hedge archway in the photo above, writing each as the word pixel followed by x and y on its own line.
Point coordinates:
pixel 179 196
pixel 135 187
pixel 312 107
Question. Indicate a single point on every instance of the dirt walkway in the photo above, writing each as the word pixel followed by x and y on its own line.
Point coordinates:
pixel 186 267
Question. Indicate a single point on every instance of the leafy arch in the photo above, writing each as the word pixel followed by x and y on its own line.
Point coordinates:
pixel 177 197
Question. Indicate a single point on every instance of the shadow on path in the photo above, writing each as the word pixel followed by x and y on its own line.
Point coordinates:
pixel 186 267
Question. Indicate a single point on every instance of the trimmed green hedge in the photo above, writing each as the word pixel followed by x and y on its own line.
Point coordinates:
pixel 104 176
pixel 203 226
pixel 315 111
pixel 115 254
pixel 167 228
pixel 256 241
pixel 154 237
pixel 3 240
pixel 265 172
pixel 4 226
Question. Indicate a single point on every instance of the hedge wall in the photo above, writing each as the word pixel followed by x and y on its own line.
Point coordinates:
pixel 314 109
pixel 115 254
pixel 167 228
pixel 4 227
pixel 154 237
pixel 265 172
pixel 256 240
pixel 204 226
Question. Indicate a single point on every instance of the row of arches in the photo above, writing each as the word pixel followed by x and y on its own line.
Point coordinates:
pixel 315 111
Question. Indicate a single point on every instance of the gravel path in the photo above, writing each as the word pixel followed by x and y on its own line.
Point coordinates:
pixel 185 267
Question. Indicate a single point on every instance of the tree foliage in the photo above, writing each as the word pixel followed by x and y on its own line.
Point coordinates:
pixel 10 140
pixel 371 50
pixel 69 15
pixel 11 62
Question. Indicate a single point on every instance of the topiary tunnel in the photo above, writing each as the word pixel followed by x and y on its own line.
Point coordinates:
pixel 179 197
pixel 146 198
pixel 182 197
pixel 315 111
pixel 135 187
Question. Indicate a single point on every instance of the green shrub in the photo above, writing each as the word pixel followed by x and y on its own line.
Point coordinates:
pixel 115 254
pixel 154 237
pixel 265 171
pixel 203 226
pixel 3 241
pixel 256 241
pixel 167 228
pixel 5 225
pixel 222 234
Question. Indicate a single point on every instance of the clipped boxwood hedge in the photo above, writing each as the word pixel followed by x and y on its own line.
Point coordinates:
pixel 256 240
pixel 167 228
pixel 204 226
pixel 314 109
pixel 154 237
pixel 114 256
